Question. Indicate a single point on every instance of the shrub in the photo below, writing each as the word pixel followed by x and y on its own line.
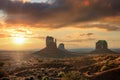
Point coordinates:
pixel 45 78
pixel 103 68
pixel 61 74
pixel 73 75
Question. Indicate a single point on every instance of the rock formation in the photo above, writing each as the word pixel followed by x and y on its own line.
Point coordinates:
pixel 61 46
pixel 102 47
pixel 51 42
pixel 51 50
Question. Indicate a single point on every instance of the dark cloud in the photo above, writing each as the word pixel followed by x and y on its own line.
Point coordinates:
pixel 59 14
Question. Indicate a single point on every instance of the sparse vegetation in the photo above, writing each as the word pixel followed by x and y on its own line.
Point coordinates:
pixel 77 68
pixel 73 75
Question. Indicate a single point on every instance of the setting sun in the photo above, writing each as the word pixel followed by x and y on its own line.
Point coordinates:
pixel 19 40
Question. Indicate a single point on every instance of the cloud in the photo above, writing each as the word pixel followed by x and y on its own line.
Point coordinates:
pixel 61 13
pixel 87 34
pixel 101 25
pixel 77 37
pixel 40 37
pixel 79 40
pixel 19 32
pixel 4 35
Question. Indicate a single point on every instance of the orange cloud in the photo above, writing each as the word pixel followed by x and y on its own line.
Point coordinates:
pixel 4 35
pixel 78 37
pixel 87 3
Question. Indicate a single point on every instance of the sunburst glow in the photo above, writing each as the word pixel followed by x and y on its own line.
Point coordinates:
pixel 19 40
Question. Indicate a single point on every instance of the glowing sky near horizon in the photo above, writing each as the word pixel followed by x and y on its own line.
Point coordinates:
pixel 74 23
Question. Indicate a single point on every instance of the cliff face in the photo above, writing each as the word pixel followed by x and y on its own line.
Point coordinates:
pixel 102 47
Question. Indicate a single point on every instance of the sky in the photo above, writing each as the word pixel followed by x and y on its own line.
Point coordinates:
pixel 76 23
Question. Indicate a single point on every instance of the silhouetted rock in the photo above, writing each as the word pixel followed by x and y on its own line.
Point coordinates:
pixel 51 50
pixel 102 47
pixel 51 42
pixel 61 46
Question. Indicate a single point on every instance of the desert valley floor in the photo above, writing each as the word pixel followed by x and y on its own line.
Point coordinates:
pixel 83 67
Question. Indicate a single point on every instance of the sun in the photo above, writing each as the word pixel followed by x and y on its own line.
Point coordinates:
pixel 19 40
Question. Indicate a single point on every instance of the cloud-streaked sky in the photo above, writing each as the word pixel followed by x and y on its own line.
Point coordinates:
pixel 77 23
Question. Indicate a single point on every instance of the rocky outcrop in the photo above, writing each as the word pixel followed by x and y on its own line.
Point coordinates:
pixel 51 42
pixel 102 47
pixel 61 46
pixel 51 50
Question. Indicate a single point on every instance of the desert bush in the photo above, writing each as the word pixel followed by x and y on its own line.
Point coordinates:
pixel 73 75
pixel 103 68
pixel 61 74
pixel 45 78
